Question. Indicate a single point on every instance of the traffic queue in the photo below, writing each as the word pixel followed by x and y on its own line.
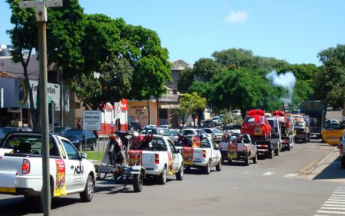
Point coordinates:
pixel 153 153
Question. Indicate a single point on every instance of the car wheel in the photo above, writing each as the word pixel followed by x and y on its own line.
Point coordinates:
pixel 270 154
pixel 246 161
pixel 208 168
pixel 93 146
pixel 38 200
pixel 162 178
pixel 179 174
pixel 229 161
pixel 138 181
pixel 255 159
pixel 187 168
pixel 87 194
pixel 276 152
pixel 342 162
pixel 289 146
pixel 219 166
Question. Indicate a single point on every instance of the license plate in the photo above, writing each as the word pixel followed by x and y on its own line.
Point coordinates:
pixel 7 190
pixel 257 131
pixel 104 169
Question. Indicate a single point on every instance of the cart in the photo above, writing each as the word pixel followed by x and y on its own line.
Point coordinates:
pixel 123 174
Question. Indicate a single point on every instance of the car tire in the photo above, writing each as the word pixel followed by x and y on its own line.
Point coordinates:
pixel 276 152
pixel 93 146
pixel 342 162
pixel 38 200
pixel 162 178
pixel 208 168
pixel 270 154
pixel 179 174
pixel 219 165
pixel 138 181
pixel 87 194
pixel 255 159
pixel 246 161
pixel 229 161
pixel 187 168
pixel 289 147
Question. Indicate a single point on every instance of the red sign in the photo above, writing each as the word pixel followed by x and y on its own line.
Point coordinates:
pixel 124 104
pixel 135 157
pixel 187 154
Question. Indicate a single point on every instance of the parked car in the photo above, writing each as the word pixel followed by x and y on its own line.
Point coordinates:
pixel 165 126
pixel 150 126
pixel 78 137
pixel 190 132
pixel 237 112
pixel 216 119
pixel 215 134
pixel 158 131
pixel 134 126
pixel 209 123
pixel 58 130
pixel 342 151
pixel 232 128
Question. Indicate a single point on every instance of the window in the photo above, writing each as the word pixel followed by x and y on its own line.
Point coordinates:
pixel 72 153
pixel 205 143
pixel 159 145
pixel 172 147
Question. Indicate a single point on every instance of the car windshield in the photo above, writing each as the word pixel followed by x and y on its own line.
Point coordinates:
pixel 75 133
pixel 8 129
pixel 175 133
pixel 215 130
pixel 216 118
pixel 334 126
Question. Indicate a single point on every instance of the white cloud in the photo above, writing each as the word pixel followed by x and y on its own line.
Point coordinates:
pixel 236 17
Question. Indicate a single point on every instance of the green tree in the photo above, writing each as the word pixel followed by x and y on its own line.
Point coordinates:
pixel 189 105
pixel 62 45
pixel 185 80
pixel 113 84
pixel 206 68
pixel 329 81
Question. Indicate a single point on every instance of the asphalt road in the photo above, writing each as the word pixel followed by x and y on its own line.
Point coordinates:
pixel 307 180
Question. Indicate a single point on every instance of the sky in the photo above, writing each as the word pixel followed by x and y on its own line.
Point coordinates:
pixel 291 30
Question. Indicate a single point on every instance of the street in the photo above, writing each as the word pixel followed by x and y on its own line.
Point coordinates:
pixel 307 180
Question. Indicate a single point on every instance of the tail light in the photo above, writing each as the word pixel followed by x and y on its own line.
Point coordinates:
pixel 203 153
pixel 244 149
pixel 26 166
pixel 156 158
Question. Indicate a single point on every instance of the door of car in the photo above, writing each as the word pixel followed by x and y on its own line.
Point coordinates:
pixel 215 153
pixel 174 155
pixel 74 167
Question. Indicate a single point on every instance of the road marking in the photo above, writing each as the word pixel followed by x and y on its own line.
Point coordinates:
pixel 335 204
pixel 268 173
pixel 290 175
pixel 331 212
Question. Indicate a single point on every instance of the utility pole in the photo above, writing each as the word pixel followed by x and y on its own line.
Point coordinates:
pixel 42 17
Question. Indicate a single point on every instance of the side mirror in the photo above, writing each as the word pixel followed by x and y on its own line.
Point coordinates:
pixel 179 151
pixel 83 155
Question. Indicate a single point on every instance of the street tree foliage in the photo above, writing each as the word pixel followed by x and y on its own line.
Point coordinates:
pixel 62 40
pixel 230 118
pixel 330 79
pixel 112 83
pixel 189 105
pixel 238 81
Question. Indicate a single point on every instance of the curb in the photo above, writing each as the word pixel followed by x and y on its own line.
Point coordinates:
pixel 308 170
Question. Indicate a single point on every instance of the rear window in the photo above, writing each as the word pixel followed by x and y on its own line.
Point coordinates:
pixel 28 145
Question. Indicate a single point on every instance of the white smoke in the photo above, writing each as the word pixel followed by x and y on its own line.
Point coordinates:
pixel 287 81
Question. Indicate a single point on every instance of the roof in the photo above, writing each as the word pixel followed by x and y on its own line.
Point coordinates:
pixel 16 70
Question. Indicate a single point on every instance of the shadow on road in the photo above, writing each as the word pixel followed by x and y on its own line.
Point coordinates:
pixel 332 171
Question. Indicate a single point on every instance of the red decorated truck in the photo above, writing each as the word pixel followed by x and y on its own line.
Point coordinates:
pixel 257 126
pixel 286 128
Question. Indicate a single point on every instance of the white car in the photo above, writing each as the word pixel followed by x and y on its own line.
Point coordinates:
pixel 204 155
pixel 190 132
pixel 21 168
pixel 160 161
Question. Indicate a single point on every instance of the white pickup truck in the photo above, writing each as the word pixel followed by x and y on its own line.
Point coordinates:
pixel 161 160
pixel 201 153
pixel 21 168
